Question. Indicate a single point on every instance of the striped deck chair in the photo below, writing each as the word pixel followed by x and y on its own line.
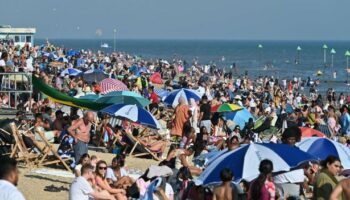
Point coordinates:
pixel 140 148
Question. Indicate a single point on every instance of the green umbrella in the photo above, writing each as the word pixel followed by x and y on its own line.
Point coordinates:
pixel 126 97
pixel 228 107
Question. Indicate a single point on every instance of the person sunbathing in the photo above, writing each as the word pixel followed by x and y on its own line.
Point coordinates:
pixel 153 143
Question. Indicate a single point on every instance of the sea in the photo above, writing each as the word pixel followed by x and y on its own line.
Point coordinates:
pixel 280 59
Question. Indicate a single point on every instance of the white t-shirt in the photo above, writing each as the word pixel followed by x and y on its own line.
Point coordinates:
pixel 80 189
pixel 110 174
pixel 9 192
pixel 2 63
pixel 168 190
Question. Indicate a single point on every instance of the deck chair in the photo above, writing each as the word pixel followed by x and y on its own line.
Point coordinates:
pixel 141 148
pixel 46 148
pixel 19 150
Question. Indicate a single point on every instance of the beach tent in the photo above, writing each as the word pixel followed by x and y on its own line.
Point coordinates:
pixel 247 159
pixel 156 78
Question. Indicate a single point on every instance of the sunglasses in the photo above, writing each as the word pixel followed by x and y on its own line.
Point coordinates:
pixel 102 168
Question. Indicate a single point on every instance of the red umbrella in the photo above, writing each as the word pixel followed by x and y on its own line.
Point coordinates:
pixel 110 85
pixel 310 132
pixel 156 78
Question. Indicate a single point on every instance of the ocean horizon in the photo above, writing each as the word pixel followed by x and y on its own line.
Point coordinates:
pixel 280 56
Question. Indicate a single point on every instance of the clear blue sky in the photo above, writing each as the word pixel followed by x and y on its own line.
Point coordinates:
pixel 182 19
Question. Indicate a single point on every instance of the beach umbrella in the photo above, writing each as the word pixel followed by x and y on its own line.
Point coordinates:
pixel 240 117
pixel 228 107
pixel 110 85
pixel 126 97
pixel 91 97
pixel 173 98
pixel 244 162
pixel 132 113
pixel 310 132
pixel 72 53
pixel 50 55
pixel 94 75
pixel 321 148
pixel 70 72
pixel 62 59
pixel 161 92
pixel 156 78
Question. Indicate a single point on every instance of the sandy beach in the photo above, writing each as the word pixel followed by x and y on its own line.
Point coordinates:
pixel 32 184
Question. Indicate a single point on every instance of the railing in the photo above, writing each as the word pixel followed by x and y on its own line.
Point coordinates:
pixel 15 84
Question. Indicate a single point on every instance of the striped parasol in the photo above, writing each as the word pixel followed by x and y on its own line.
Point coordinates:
pixel 110 85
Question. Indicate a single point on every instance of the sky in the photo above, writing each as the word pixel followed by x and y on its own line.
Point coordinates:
pixel 182 19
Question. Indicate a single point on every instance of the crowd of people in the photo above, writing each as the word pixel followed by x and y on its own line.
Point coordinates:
pixel 188 131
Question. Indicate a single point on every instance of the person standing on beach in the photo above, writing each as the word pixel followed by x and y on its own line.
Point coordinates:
pixel 225 190
pixel 9 179
pixel 181 117
pixel 80 131
pixel 204 115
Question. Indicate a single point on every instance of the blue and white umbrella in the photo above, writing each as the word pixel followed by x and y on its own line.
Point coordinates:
pixel 321 148
pixel 244 162
pixel 162 93
pixel 62 59
pixel 132 113
pixel 50 55
pixel 70 72
pixel 173 98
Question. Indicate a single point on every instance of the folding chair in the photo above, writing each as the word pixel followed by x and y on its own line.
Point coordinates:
pixel 48 148
pixel 143 149
pixel 19 150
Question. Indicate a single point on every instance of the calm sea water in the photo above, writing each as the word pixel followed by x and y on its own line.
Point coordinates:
pixel 247 56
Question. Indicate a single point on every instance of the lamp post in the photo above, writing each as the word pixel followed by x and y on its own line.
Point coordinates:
pixel 260 47
pixel 332 56
pixel 347 55
pixel 298 55
pixel 114 38
pixel 324 47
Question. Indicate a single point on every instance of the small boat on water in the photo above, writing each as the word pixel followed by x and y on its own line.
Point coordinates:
pixel 104 45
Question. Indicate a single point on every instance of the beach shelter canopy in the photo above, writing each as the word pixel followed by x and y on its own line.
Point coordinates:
pixel 64 99
pixel 240 117
pixel 321 148
pixel 244 162
pixel 132 113
pixel 110 85
pixel 173 98
pixel 310 132
pixel 126 97
pixel 156 78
